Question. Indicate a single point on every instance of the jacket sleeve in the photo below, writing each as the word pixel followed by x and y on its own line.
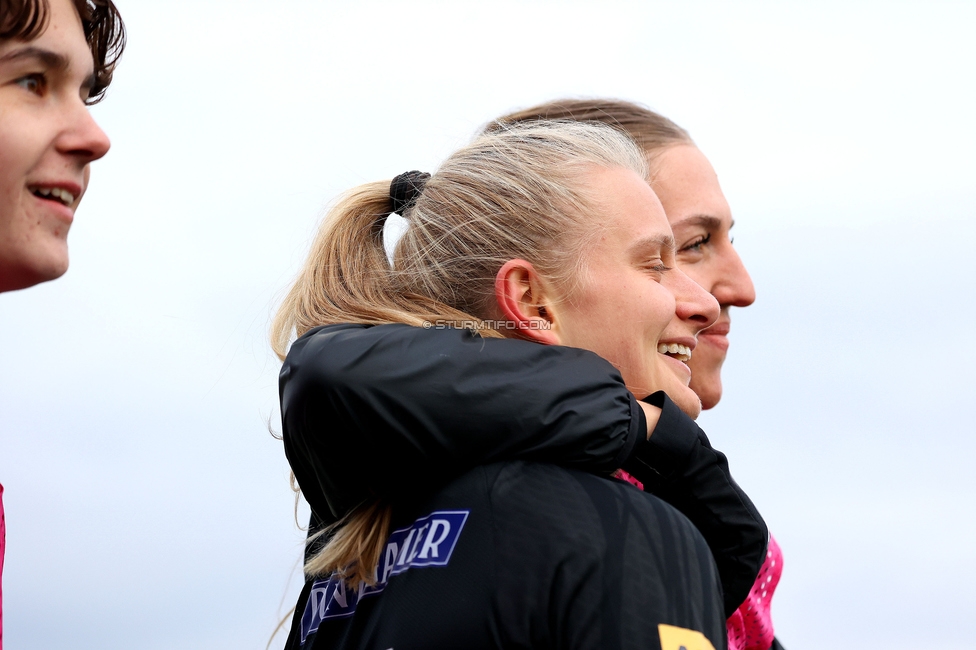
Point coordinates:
pixel 366 410
pixel 391 408
pixel 678 464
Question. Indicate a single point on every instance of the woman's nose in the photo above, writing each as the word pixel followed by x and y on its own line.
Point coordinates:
pixel 692 302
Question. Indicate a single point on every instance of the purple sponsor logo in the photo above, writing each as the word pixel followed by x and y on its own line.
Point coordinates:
pixel 429 541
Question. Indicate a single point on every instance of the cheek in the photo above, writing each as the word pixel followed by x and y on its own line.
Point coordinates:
pixel 10 198
pixel 597 324
pixel 18 155
pixel 659 308
pixel 26 137
pixel 9 168
pixel 16 163
pixel 705 273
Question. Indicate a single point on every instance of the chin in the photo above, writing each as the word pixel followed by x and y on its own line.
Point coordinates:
pixel 54 270
pixel 688 402
pixel 45 270
pixel 709 392
pixel 706 378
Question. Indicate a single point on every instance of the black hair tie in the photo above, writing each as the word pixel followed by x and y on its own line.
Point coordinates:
pixel 405 188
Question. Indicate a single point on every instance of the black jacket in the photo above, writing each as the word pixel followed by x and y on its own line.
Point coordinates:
pixel 394 409
pixel 525 555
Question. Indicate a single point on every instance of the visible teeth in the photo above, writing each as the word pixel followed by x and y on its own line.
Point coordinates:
pixel 680 352
pixel 64 196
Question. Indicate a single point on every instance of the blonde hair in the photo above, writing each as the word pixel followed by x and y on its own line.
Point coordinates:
pixel 652 132
pixel 517 192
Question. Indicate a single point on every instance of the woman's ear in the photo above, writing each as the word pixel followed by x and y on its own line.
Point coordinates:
pixel 522 298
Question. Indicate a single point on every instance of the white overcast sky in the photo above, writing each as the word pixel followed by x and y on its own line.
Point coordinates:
pixel 147 503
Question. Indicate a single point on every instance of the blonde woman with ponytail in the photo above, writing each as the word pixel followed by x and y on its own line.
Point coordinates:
pixel 546 234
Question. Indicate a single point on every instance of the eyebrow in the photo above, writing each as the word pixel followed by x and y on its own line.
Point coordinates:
pixel 52 60
pixel 47 57
pixel 665 242
pixel 704 220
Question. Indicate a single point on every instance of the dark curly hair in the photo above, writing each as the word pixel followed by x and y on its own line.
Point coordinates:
pixel 104 31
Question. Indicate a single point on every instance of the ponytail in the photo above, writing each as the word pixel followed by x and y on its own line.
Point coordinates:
pixel 348 278
pixel 519 192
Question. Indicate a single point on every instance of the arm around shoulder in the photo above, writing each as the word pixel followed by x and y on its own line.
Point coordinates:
pixel 678 464
pixel 394 407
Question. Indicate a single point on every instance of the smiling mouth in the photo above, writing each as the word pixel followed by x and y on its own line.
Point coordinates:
pixel 54 194
pixel 675 350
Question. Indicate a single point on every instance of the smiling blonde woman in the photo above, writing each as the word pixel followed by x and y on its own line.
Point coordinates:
pixel 701 219
pixel 554 228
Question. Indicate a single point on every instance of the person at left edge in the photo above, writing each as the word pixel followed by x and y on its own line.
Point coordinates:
pixel 57 58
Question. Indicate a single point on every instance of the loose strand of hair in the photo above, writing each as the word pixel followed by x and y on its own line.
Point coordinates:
pixel 355 545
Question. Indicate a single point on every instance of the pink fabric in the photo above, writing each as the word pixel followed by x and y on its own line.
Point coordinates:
pixel 630 479
pixel 751 626
pixel 3 537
